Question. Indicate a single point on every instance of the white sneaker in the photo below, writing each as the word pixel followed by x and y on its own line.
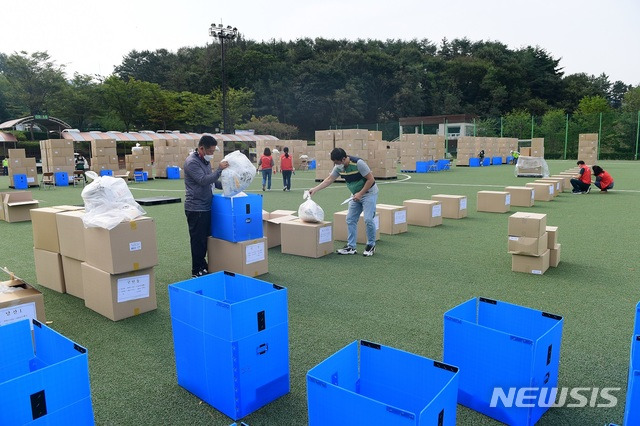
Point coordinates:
pixel 347 250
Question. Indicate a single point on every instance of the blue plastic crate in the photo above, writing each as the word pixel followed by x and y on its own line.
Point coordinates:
pixel 145 176
pixel 44 380
pixel 423 166
pixel 486 161
pixel 496 161
pixel 443 164
pixel 20 181
pixel 632 407
pixel 106 172
pixel 474 162
pixel 230 335
pixel 509 159
pixel 370 384
pixel 312 165
pixel 173 172
pixel 61 178
pixel 499 345
pixel 236 218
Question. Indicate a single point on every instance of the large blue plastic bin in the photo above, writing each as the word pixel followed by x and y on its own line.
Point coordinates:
pixel 230 335
pixel 370 384
pixel 236 218
pixel 500 345
pixel 173 172
pixel 474 162
pixel 423 166
pixel 496 161
pixel 106 172
pixel 632 407
pixel 443 164
pixel 43 381
pixel 486 161
pixel 312 165
pixel 61 178
pixel 20 181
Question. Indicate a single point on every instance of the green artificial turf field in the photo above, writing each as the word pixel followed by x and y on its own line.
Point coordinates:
pixel 396 298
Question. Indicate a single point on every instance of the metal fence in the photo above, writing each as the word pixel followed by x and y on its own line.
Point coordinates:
pixel 619 132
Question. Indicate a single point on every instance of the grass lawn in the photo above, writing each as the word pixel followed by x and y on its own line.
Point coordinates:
pixel 396 298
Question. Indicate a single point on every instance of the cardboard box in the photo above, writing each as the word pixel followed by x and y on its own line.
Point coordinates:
pixel 306 238
pixel 524 224
pixel 340 231
pixel 453 206
pixel 393 219
pixel 71 234
pixel 25 302
pixel 423 212
pixel 72 271
pixel 494 201
pixel 249 257
pixel 553 236
pixel 530 246
pixel 49 269
pixel 45 228
pixel 16 206
pixel 521 196
pixel 558 181
pixel 543 191
pixel 119 296
pixel 554 183
pixel 554 256
pixel 536 265
pixel 271 226
pixel 130 246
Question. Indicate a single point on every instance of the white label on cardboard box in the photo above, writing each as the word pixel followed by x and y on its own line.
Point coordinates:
pixel 31 179
pixel 132 288
pixel 17 313
pixel 399 217
pixel 536 271
pixel 376 220
pixel 463 203
pixel 512 238
pixel 254 253
pixel 324 235
pixel 436 211
pixel 507 200
pixel 135 246
pixel 550 189
pixel 533 194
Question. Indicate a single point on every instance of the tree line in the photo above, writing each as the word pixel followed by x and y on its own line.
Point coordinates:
pixel 292 88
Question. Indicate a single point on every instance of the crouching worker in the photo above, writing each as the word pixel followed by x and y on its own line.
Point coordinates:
pixel 604 181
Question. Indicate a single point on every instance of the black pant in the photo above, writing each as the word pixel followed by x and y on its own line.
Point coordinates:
pixel 199 231
pixel 286 178
pixel 579 186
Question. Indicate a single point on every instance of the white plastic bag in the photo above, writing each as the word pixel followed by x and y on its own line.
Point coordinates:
pixel 238 176
pixel 310 211
pixel 107 202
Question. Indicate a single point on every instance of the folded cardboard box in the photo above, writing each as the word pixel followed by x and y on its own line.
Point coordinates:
pixel 306 238
pixel 423 212
pixel 494 201
pixel 453 206
pixel 340 231
pixel 249 257
pixel 16 206
pixel 119 296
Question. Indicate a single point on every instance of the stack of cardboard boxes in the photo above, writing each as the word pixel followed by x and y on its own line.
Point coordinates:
pixel 104 157
pixel 57 157
pixel 470 146
pixel 382 160
pixel 415 147
pixel 237 243
pixel 112 270
pixel 140 160
pixel 19 164
pixel 588 148
pixel 532 244
pixel 15 206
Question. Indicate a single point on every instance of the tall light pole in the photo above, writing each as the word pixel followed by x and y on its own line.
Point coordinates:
pixel 228 33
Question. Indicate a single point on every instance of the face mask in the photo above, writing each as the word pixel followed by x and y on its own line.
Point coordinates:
pixel 208 157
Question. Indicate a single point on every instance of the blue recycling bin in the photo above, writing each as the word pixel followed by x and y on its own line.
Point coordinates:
pixel 173 172
pixel 236 218
pixel 486 161
pixel 474 162
pixel 312 165
pixel 20 181
pixel 106 172
pixel 61 178
pixel 496 161
pixel 145 176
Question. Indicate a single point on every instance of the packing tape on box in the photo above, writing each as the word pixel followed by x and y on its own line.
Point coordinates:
pixel 134 225
pixel 136 266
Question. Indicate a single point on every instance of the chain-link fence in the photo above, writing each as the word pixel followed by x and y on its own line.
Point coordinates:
pixel 619 132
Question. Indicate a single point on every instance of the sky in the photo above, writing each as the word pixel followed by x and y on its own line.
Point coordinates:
pixel 90 37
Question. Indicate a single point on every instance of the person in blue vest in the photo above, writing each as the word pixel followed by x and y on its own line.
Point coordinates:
pixel 362 185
